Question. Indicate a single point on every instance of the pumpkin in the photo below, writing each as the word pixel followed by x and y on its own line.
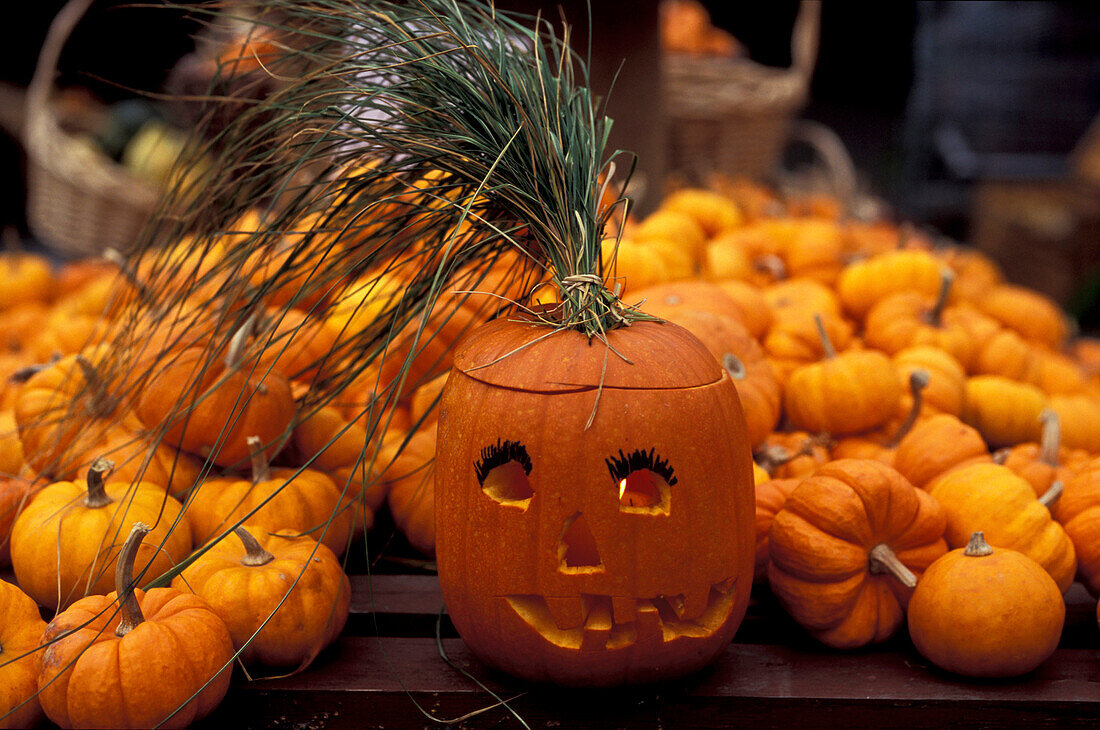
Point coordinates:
pixel 906 319
pixel 300 346
pixel 794 338
pixel 676 227
pixel 671 299
pixel 788 454
pixel 584 541
pixel 328 442
pixel 863 284
pixel 1035 316
pixel 724 258
pixel 743 359
pixel 409 476
pixel 946 388
pixel 211 406
pixel 11 448
pixel 816 251
pixel 1004 411
pixel 132 658
pixel 713 211
pixel 21 629
pixel 1078 511
pixel 847 547
pixel 283 597
pixel 1080 420
pixel 1008 354
pixel 843 394
pixel 27 277
pixel 66 542
pixel 1003 505
pixel 1042 463
pixel 975 272
pixel 771 495
pixel 303 500
pixel 982 611
pixel 756 313
pixel 15 492
pixel 936 446
pixel 882 445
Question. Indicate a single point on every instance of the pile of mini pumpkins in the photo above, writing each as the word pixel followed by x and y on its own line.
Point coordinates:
pixel 916 423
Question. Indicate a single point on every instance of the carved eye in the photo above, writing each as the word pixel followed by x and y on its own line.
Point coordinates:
pixel 502 472
pixel 643 479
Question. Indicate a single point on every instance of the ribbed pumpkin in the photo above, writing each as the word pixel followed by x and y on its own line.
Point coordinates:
pixel 289 584
pixel 864 283
pixel 756 313
pixel 331 443
pixel 1035 316
pixel 15 493
pixel 996 501
pixel 789 454
pixel 409 478
pixel 946 389
pixel 1080 420
pixel 936 446
pixel 981 611
pixel 843 394
pixel 1078 511
pixel 303 500
pixel 906 319
pixel 1043 463
pixel 66 542
pixel 743 359
pixel 771 495
pixel 21 629
pixel 131 658
pixel 846 548
pixel 1004 411
pixel 882 444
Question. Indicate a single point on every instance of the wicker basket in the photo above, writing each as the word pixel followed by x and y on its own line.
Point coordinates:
pixel 78 202
pixel 734 115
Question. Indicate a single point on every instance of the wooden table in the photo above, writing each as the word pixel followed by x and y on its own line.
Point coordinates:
pixel 387 668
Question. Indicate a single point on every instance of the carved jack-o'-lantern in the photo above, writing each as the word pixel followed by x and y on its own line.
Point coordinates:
pixel 612 552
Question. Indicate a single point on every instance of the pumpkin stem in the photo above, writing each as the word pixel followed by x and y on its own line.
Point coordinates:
pixel 978 547
pixel 771 264
pixel 884 560
pixel 124 578
pixel 1051 495
pixel 261 469
pixel 773 456
pixel 734 366
pixel 826 343
pixel 934 316
pixel 235 352
pixel 100 403
pixel 255 555
pixel 98 472
pixel 918 381
pixel 1051 438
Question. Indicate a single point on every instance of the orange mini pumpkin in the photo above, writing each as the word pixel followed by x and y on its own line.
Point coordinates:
pixel 290 585
pixel 303 500
pixel 66 542
pixel 131 658
pixel 936 446
pixel 846 548
pixel 981 611
pixel 1003 505
pixel 844 394
pixel 1004 411
pixel 21 629
pixel 1078 511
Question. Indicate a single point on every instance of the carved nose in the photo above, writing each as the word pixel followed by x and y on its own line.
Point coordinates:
pixel 577 551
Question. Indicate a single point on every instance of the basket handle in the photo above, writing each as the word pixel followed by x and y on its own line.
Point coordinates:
pixel 38 91
pixel 805 38
pixel 830 149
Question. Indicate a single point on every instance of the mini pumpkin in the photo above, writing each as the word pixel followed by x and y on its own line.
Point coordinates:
pixel 1043 463
pixel 133 658
pixel 946 389
pixel 21 629
pixel 845 393
pixel 847 547
pixel 66 542
pixel 882 444
pixel 982 611
pixel 1035 316
pixel 1078 511
pixel 409 476
pixel 303 500
pixel 1079 416
pixel 936 446
pixel 1003 505
pixel 863 284
pixel 1005 412
pixel 771 495
pixel 283 597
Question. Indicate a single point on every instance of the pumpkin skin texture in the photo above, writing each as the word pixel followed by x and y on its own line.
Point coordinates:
pixel 1003 504
pixel 833 541
pixel 599 523
pixel 245 577
pixel 21 631
pixel 771 495
pixel 936 446
pixel 409 477
pixel 986 612
pixel 1078 511
pixel 291 500
pixel 93 677
pixel 1004 411
pixel 863 283
pixel 66 542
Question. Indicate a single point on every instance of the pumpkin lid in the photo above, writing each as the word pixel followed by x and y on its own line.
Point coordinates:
pixel 519 352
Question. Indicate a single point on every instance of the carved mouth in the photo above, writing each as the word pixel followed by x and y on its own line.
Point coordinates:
pixel 591 622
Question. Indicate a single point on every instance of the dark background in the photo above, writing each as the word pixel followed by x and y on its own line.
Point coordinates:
pixel 932 98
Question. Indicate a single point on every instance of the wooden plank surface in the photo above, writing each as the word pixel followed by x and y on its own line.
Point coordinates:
pixel 387 664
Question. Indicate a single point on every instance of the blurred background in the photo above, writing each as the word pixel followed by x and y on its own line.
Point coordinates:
pixel 972 119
